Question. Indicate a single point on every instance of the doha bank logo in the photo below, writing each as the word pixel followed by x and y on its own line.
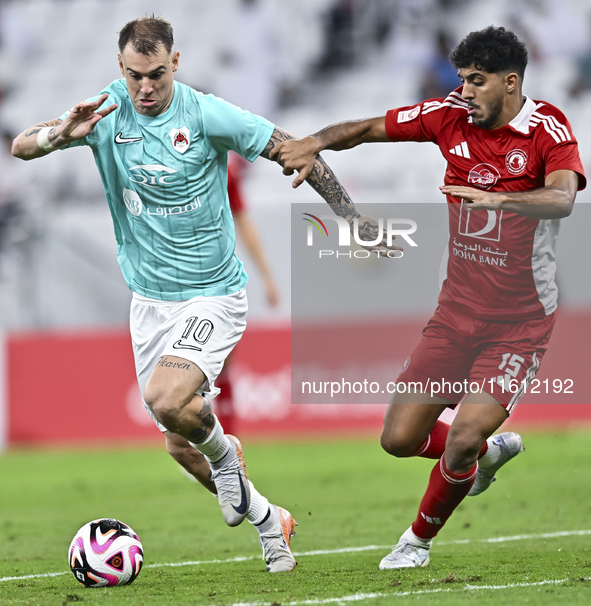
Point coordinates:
pixel 391 227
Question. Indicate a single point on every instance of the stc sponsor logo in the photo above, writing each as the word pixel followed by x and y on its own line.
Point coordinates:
pixel 483 176
pixel 390 226
pixel 151 175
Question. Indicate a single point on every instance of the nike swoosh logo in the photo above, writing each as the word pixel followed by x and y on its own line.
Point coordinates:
pixel 242 507
pixel 180 345
pixel 119 139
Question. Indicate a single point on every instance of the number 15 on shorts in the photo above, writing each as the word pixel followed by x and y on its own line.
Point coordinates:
pixel 511 364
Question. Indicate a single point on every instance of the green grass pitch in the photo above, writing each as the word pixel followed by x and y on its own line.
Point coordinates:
pixel 344 494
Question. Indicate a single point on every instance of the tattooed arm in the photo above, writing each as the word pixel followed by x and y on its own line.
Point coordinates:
pixel 25 145
pixel 324 181
pixel 300 154
pixel 79 122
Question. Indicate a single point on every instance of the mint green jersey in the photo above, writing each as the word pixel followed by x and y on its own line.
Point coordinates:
pixel 165 179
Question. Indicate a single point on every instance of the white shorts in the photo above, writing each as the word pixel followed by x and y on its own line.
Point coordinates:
pixel 203 330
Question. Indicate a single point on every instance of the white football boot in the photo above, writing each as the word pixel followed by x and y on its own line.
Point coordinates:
pixel 231 482
pixel 507 445
pixel 410 552
pixel 275 540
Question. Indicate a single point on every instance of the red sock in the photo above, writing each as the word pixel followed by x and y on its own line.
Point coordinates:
pixel 434 446
pixel 445 492
pixel 224 403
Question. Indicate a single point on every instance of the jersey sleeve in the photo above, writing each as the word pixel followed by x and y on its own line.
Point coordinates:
pixel 416 122
pixel 559 148
pixel 228 127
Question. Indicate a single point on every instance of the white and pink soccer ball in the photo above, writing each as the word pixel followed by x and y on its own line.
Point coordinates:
pixel 105 552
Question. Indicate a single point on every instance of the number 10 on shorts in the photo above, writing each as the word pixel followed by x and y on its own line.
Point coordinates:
pixel 197 333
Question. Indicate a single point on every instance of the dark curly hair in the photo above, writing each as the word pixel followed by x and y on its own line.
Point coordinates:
pixel 492 50
pixel 146 34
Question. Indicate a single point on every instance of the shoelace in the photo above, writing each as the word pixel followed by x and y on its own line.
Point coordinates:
pixel 271 543
pixel 225 481
pixel 403 548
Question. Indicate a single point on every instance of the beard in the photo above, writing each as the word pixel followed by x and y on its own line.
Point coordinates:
pixel 493 115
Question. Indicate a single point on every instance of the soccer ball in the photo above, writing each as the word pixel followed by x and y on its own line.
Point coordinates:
pixel 106 552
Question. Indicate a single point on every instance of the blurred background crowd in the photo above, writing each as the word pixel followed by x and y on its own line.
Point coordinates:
pixel 300 63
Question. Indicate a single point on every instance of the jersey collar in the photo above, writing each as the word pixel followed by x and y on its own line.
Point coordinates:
pixel 521 121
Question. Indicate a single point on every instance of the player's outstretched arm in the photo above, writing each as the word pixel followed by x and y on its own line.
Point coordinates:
pixel 324 181
pixel 300 154
pixel 553 201
pixel 45 137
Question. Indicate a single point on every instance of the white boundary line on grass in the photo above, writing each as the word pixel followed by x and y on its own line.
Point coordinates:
pixel 401 594
pixel 518 537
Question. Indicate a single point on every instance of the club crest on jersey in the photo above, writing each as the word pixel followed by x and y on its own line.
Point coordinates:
pixel 180 139
pixel 516 161
pixel 405 365
pixel 483 176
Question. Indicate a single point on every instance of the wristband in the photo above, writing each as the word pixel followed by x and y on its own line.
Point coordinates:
pixel 43 140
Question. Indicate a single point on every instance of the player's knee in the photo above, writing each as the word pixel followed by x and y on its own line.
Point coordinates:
pixel 164 406
pixel 398 444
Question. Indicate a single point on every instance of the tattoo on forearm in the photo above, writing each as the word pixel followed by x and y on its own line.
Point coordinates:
pixel 324 181
pixel 35 129
pixel 32 131
pixel 368 231
pixel 278 136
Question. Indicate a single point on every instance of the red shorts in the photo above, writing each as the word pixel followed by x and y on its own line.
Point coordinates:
pixel 458 354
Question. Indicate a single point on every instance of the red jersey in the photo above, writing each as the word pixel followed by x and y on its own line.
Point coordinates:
pixel 498 265
pixel 234 190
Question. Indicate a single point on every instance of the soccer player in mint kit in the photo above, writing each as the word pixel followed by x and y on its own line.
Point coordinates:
pixel 161 149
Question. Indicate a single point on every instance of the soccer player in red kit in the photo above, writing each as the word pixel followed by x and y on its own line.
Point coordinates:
pixel 513 171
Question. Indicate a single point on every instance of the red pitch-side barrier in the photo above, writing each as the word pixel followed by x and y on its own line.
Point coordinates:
pixel 79 387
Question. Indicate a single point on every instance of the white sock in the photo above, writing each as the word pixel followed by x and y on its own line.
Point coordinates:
pixel 259 506
pixel 412 538
pixel 490 456
pixel 216 445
